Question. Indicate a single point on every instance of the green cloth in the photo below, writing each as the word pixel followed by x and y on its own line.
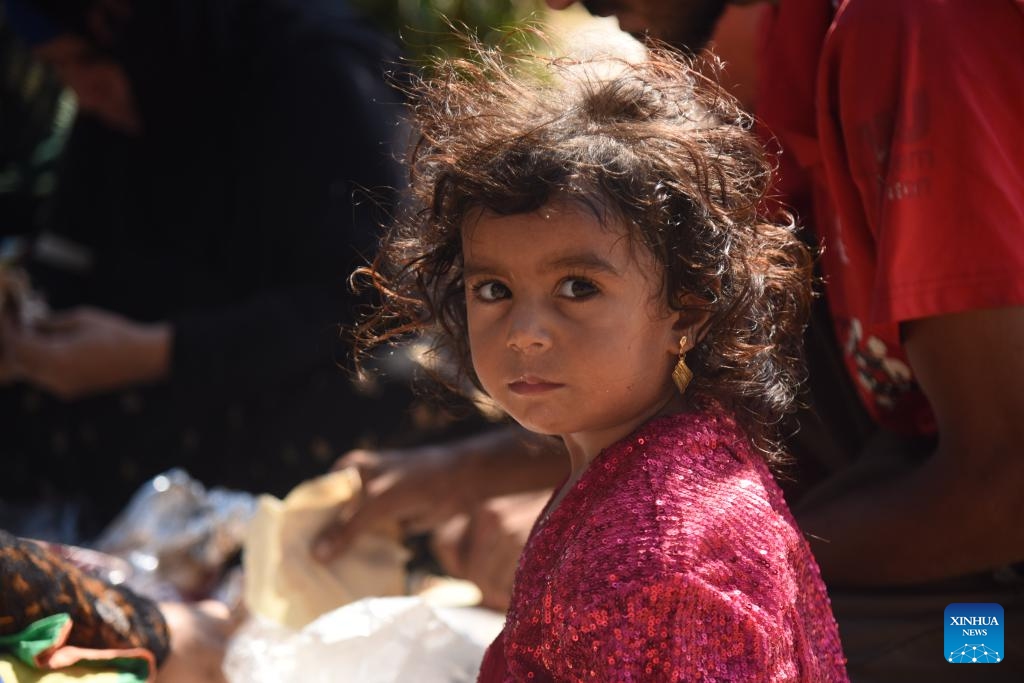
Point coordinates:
pixel 37 638
pixel 27 645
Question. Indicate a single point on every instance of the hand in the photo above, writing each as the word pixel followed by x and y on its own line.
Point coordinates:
pixel 419 488
pixel 85 351
pixel 484 546
pixel 199 638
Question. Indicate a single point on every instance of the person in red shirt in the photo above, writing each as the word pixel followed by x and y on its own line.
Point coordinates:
pixel 900 143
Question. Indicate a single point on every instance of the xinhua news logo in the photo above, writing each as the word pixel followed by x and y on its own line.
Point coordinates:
pixel 974 633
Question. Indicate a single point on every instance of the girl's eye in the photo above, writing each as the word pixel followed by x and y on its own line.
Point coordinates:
pixel 491 291
pixel 576 288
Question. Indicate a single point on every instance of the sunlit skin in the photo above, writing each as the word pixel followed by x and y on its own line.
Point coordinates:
pixel 686 24
pixel 568 327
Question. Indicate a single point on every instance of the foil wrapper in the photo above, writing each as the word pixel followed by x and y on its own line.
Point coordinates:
pixel 179 538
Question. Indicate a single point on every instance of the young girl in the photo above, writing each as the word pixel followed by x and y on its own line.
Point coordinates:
pixel 586 242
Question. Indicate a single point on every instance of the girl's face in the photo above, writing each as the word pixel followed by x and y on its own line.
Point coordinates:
pixel 567 329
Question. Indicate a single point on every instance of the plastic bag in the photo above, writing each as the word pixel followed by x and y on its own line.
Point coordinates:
pixel 178 536
pixel 375 640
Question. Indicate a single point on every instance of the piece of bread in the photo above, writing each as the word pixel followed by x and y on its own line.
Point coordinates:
pixel 282 580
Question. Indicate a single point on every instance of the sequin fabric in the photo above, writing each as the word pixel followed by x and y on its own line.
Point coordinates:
pixel 673 558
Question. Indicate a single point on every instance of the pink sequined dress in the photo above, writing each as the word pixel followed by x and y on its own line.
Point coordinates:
pixel 674 558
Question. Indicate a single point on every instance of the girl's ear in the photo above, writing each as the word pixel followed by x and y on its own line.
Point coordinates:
pixel 690 322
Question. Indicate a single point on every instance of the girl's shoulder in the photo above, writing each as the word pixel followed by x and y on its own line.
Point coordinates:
pixel 688 455
pixel 684 493
pixel 678 534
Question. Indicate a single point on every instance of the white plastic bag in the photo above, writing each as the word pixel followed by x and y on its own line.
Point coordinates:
pixel 375 640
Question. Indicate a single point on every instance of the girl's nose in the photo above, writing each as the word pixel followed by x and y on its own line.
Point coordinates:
pixel 528 332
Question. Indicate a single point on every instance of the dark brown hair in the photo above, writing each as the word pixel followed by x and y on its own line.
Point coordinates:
pixel 653 144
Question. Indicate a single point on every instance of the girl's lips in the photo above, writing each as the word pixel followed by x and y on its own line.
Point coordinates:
pixel 525 387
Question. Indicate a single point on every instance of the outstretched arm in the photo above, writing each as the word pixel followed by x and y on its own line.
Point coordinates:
pixel 423 487
pixel 85 351
pixel 959 511
pixel 484 545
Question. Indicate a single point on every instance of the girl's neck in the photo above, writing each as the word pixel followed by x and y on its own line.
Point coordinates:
pixel 584 447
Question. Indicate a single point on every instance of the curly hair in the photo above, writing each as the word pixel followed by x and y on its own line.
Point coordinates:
pixel 654 144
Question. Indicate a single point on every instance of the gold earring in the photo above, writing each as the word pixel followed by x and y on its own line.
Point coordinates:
pixel 682 375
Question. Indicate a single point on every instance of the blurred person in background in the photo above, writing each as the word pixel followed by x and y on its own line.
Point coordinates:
pixel 33 124
pixel 900 152
pixel 196 249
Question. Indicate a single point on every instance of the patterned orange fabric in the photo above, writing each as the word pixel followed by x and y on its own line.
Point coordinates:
pixel 36 583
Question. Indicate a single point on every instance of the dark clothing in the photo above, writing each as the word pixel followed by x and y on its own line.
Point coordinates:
pixel 29 102
pixel 232 216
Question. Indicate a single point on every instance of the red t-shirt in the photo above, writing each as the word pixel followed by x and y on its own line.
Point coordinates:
pixel 903 127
